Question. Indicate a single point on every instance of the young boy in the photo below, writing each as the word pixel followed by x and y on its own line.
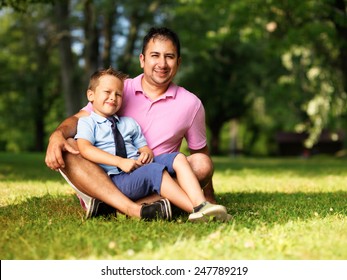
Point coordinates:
pixel 138 173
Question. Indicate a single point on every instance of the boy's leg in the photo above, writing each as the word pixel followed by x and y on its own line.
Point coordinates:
pixel 177 165
pixel 203 212
pixel 144 182
pixel 172 191
pixel 187 180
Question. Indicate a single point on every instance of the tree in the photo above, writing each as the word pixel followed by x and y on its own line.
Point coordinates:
pixel 70 83
pixel 30 61
pixel 268 66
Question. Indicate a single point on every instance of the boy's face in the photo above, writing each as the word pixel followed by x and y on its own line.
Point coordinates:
pixel 107 96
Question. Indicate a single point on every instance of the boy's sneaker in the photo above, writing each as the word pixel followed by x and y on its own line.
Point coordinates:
pixel 99 208
pixel 210 212
pixel 158 210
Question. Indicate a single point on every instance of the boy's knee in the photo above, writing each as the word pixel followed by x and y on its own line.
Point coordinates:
pixel 181 157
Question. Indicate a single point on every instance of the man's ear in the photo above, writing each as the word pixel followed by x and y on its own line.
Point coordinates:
pixel 142 60
pixel 179 60
pixel 90 95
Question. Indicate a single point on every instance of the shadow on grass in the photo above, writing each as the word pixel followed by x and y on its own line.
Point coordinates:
pixel 252 209
pixel 31 165
pixel 248 209
pixel 315 166
pixel 55 227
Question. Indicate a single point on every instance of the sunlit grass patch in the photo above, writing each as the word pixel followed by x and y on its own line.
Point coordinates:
pixel 281 208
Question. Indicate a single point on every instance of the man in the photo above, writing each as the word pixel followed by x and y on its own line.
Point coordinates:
pixel 166 113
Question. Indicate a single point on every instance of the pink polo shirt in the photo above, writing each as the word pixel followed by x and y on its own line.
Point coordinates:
pixel 177 114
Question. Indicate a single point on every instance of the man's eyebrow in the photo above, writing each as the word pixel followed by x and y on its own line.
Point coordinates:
pixel 166 54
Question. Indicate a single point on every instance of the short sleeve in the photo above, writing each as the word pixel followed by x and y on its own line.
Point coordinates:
pixel 196 134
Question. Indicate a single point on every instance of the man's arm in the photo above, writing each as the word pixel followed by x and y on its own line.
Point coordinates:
pixel 58 141
pixel 203 150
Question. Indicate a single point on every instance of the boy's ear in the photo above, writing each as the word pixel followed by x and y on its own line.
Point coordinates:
pixel 90 95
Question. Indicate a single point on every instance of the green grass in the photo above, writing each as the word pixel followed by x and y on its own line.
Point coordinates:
pixel 282 208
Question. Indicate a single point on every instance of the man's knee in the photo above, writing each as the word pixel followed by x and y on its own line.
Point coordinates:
pixel 202 166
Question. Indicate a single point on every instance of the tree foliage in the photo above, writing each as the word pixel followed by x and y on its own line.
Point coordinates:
pixel 267 65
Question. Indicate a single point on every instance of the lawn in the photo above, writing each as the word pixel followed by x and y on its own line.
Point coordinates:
pixel 283 209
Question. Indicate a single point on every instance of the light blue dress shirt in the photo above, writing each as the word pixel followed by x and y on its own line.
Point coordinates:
pixel 97 130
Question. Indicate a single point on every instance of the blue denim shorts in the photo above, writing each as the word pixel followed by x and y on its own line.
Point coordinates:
pixel 145 180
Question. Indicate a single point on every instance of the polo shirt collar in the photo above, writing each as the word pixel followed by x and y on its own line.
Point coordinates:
pixel 101 119
pixel 170 92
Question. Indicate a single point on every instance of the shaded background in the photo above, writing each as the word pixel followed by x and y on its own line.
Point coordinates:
pixel 271 74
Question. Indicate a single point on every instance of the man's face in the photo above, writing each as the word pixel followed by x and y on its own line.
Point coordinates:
pixel 160 62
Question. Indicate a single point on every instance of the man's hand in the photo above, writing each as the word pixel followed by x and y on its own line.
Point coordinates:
pixel 54 155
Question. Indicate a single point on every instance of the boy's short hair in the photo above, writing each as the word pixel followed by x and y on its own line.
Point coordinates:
pixel 94 78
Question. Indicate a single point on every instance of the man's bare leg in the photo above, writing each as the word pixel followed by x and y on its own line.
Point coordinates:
pixel 149 199
pixel 92 180
pixel 209 192
pixel 202 166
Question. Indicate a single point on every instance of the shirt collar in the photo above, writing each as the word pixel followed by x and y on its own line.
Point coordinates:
pixel 101 119
pixel 170 92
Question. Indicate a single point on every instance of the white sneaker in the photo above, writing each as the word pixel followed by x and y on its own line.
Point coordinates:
pixel 210 212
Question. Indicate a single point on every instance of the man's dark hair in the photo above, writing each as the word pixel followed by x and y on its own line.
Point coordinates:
pixel 162 32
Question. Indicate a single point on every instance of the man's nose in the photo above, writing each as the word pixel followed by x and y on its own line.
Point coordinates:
pixel 162 61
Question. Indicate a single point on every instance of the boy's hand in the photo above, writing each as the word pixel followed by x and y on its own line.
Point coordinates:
pixel 146 155
pixel 128 165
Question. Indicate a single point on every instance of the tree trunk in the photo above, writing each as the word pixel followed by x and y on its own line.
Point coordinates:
pixel 70 86
pixel 215 129
pixel 91 38
pixel 109 20
pixel 340 20
pixel 234 148
pixel 125 59
pixel 39 120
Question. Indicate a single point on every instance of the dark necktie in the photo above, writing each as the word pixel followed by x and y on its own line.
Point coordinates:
pixel 118 138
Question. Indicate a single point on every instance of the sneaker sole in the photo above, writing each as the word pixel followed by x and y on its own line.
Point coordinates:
pixel 217 213
pixel 89 213
pixel 98 208
pixel 168 211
